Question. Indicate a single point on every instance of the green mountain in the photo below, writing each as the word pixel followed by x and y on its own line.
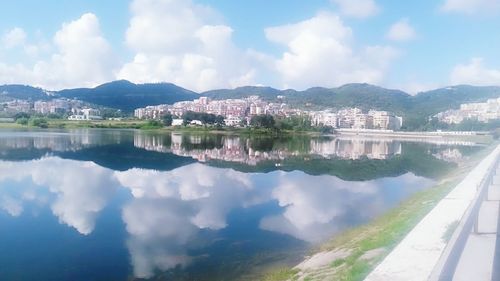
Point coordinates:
pixel 416 110
pixel 266 93
pixel 128 96
pixel 23 92
pixel 443 99
pixel 365 96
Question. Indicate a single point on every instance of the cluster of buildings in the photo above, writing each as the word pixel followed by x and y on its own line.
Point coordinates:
pixel 355 118
pixel 355 149
pixel 237 110
pixel 234 110
pixel 74 108
pixel 239 150
pixel 85 114
pixel 16 106
pixel 482 112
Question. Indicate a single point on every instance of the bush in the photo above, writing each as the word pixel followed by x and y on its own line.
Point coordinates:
pixel 21 115
pixel 152 124
pixel 167 120
pixel 39 122
pixel 22 121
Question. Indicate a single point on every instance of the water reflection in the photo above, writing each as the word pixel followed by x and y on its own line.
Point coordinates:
pixel 73 196
pixel 252 151
pixel 195 221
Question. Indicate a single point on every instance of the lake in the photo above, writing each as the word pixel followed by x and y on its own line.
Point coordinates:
pixel 131 205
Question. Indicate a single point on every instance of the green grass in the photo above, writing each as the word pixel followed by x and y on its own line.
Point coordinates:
pixel 11 126
pixel 338 262
pixel 388 230
pixel 66 124
pixel 279 274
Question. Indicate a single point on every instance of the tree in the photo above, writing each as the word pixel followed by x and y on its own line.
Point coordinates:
pixel 205 118
pixel 168 119
pixel 21 115
pixel 22 121
pixel 39 122
pixel 262 121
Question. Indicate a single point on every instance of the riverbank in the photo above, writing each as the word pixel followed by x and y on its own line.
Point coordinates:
pixel 353 254
pixel 480 137
pixel 153 127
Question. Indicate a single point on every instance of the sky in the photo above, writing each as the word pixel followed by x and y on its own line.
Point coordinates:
pixel 210 44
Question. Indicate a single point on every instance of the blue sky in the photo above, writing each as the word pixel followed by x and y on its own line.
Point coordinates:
pixel 207 44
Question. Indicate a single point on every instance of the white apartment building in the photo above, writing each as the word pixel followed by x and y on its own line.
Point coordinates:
pixel 86 114
pixel 324 118
pixel 482 112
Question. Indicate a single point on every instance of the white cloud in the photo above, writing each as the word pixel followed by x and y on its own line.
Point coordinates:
pixel 320 53
pixel 169 208
pixel 83 57
pixel 401 31
pixel 414 87
pixel 471 6
pixel 14 38
pixel 76 203
pixel 184 43
pixel 475 73
pixel 159 230
pixel 12 206
pixel 357 8
pixel 317 212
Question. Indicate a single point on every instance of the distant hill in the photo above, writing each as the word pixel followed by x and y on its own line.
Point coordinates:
pixel 434 101
pixel 128 96
pixel 266 93
pixel 416 109
pixel 365 96
pixel 24 92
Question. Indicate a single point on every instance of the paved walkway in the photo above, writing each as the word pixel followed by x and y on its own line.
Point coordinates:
pixel 477 260
pixel 416 257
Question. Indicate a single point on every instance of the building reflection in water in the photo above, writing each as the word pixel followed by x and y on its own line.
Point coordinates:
pixel 167 214
pixel 242 150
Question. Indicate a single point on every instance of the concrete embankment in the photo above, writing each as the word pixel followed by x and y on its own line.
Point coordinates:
pixel 415 258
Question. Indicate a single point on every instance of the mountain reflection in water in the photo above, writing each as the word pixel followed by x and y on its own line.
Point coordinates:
pixel 115 205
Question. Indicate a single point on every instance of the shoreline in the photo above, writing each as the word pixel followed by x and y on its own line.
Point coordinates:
pixel 354 253
pixel 143 125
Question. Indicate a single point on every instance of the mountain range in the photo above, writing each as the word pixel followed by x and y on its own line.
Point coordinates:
pixel 127 96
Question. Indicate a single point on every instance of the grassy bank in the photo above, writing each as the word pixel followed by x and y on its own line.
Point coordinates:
pixel 66 124
pixel 151 126
pixel 367 245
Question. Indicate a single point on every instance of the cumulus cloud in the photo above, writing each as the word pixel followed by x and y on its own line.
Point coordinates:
pixel 475 73
pixel 76 203
pixel 320 52
pixel 211 192
pixel 401 31
pixel 169 209
pixel 159 230
pixel 315 213
pixel 12 206
pixel 187 44
pixel 471 6
pixel 14 38
pixel 357 8
pixel 82 57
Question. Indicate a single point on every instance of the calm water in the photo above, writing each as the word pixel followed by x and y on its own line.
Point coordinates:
pixel 126 205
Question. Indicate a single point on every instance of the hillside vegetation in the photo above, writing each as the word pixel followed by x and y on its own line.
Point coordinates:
pixel 416 110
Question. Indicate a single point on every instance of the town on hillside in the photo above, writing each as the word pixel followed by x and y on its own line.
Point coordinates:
pixel 239 112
